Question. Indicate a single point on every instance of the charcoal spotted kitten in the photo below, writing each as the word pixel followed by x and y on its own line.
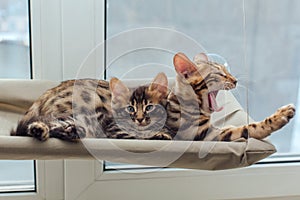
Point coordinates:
pixel 95 108
pixel 197 85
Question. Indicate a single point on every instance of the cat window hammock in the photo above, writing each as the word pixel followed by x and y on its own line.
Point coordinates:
pixel 17 95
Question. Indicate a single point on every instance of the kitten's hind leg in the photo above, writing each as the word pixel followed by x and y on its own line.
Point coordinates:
pixel 32 126
pixel 65 128
pixel 38 130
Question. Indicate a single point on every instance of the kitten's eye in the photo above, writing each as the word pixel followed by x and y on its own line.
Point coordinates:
pixel 130 109
pixel 149 108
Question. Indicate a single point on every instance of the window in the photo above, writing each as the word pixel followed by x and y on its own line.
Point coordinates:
pixel 14 39
pixel 15 176
pixel 57 28
pixel 259 40
pixel 194 184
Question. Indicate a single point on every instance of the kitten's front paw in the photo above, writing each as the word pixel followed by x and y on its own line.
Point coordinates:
pixel 286 112
pixel 74 133
pixel 124 136
pixel 38 130
pixel 67 130
pixel 161 136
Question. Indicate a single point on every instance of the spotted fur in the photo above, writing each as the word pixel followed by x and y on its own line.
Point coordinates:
pixel 95 108
pixel 193 101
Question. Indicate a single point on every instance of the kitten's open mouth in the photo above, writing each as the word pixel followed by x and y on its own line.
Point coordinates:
pixel 212 100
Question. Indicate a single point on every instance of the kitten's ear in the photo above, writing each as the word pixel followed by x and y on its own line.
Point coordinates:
pixel 200 57
pixel 183 65
pixel 160 83
pixel 117 87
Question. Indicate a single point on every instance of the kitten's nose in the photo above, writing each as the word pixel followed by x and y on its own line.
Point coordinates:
pixel 235 82
pixel 140 120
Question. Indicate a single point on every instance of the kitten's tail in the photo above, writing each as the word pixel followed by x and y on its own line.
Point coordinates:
pixel 13 132
pixel 22 128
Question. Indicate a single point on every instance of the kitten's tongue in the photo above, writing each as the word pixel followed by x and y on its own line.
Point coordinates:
pixel 213 102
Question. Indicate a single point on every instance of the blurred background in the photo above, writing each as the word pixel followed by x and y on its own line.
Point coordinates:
pixel 260 40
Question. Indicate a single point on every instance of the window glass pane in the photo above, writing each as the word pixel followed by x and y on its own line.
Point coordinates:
pixel 15 63
pixel 124 167
pixel 14 39
pixel 16 176
pixel 273 60
pixel 261 46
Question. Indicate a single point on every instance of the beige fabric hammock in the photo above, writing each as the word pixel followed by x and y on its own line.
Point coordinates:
pixel 16 96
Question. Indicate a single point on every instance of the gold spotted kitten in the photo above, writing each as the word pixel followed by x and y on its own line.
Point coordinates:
pixel 95 108
pixel 193 100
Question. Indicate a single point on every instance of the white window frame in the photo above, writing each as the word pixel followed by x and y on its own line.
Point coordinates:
pixel 49 182
pixel 258 181
pixel 53 58
pixel 49 174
